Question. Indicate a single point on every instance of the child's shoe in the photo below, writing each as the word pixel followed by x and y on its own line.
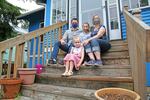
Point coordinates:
pixel 65 74
pixel 70 73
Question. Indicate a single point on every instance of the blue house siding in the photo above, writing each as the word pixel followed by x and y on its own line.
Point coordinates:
pixel 47 13
pixel 47 22
pixel 145 15
pixel 123 24
pixel 33 26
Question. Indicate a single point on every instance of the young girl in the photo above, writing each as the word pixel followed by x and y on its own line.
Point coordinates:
pixel 74 58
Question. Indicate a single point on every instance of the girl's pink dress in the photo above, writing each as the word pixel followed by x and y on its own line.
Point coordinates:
pixel 74 55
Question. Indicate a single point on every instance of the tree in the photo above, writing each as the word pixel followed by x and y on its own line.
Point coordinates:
pixel 8 14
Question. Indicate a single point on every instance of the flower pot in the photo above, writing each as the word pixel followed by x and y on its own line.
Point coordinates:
pixel 10 88
pixel 116 94
pixel 27 75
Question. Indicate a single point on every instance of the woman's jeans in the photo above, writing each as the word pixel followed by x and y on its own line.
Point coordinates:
pixel 58 46
pixel 99 45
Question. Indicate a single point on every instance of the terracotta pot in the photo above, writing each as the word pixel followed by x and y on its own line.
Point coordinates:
pixel 10 88
pixel 27 75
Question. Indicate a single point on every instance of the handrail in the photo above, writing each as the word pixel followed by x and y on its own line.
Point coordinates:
pixel 138 37
pixel 19 43
pixel 23 38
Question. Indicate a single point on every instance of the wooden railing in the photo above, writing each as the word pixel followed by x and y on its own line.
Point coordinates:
pixel 138 37
pixel 18 44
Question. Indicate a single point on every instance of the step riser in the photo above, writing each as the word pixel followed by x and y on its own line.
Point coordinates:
pixel 36 95
pixel 82 83
pixel 121 47
pixel 95 71
pixel 112 54
pixel 116 61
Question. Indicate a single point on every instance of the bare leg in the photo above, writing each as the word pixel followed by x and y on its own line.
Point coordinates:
pixel 97 55
pixel 71 68
pixel 67 66
pixel 91 55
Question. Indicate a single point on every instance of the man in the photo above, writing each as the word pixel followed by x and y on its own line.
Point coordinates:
pixel 66 42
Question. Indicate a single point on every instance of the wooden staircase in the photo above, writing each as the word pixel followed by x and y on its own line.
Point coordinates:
pixel 116 72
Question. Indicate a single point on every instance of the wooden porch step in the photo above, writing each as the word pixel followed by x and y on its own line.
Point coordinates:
pixel 117 59
pixel 85 81
pixel 119 44
pixel 115 53
pixel 117 41
pixel 106 70
pixel 118 49
pixel 121 60
pixel 50 92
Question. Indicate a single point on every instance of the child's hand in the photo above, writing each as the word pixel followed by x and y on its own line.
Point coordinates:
pixel 78 65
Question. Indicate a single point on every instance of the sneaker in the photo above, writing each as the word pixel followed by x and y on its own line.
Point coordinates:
pixel 91 62
pixel 52 61
pixel 61 61
pixel 98 63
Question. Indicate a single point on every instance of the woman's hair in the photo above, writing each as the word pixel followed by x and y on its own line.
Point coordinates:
pixel 86 24
pixel 97 18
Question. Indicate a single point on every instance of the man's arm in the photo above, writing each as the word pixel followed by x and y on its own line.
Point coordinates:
pixel 64 38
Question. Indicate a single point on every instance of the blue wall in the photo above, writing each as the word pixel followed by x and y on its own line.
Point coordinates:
pixel 47 13
pixel 123 25
pixel 145 16
pixel 35 19
pixel 47 21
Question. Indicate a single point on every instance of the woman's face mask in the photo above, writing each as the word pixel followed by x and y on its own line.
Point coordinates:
pixel 96 21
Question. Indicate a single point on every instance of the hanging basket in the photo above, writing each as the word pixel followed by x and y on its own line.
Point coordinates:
pixel 116 94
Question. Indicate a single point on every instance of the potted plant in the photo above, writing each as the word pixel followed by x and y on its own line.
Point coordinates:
pixel 27 75
pixel 116 94
pixel 10 87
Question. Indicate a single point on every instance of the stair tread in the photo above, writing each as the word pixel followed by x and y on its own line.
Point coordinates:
pixel 92 66
pixel 60 90
pixel 117 41
pixel 119 44
pixel 90 78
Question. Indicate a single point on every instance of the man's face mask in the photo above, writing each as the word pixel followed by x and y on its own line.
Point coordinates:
pixel 74 25
pixel 96 21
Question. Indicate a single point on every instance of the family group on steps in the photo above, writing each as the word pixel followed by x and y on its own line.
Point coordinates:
pixel 78 43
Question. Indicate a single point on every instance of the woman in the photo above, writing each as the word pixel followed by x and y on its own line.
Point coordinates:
pixel 98 42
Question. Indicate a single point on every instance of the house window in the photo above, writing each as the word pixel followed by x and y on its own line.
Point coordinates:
pixel 59 10
pixel 143 3
pixel 89 9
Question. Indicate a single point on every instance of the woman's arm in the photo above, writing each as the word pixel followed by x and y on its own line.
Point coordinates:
pixel 100 33
pixel 82 57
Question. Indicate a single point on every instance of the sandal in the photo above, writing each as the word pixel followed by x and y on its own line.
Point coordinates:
pixel 65 74
pixel 70 73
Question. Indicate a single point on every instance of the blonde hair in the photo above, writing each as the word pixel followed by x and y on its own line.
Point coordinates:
pixel 76 38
